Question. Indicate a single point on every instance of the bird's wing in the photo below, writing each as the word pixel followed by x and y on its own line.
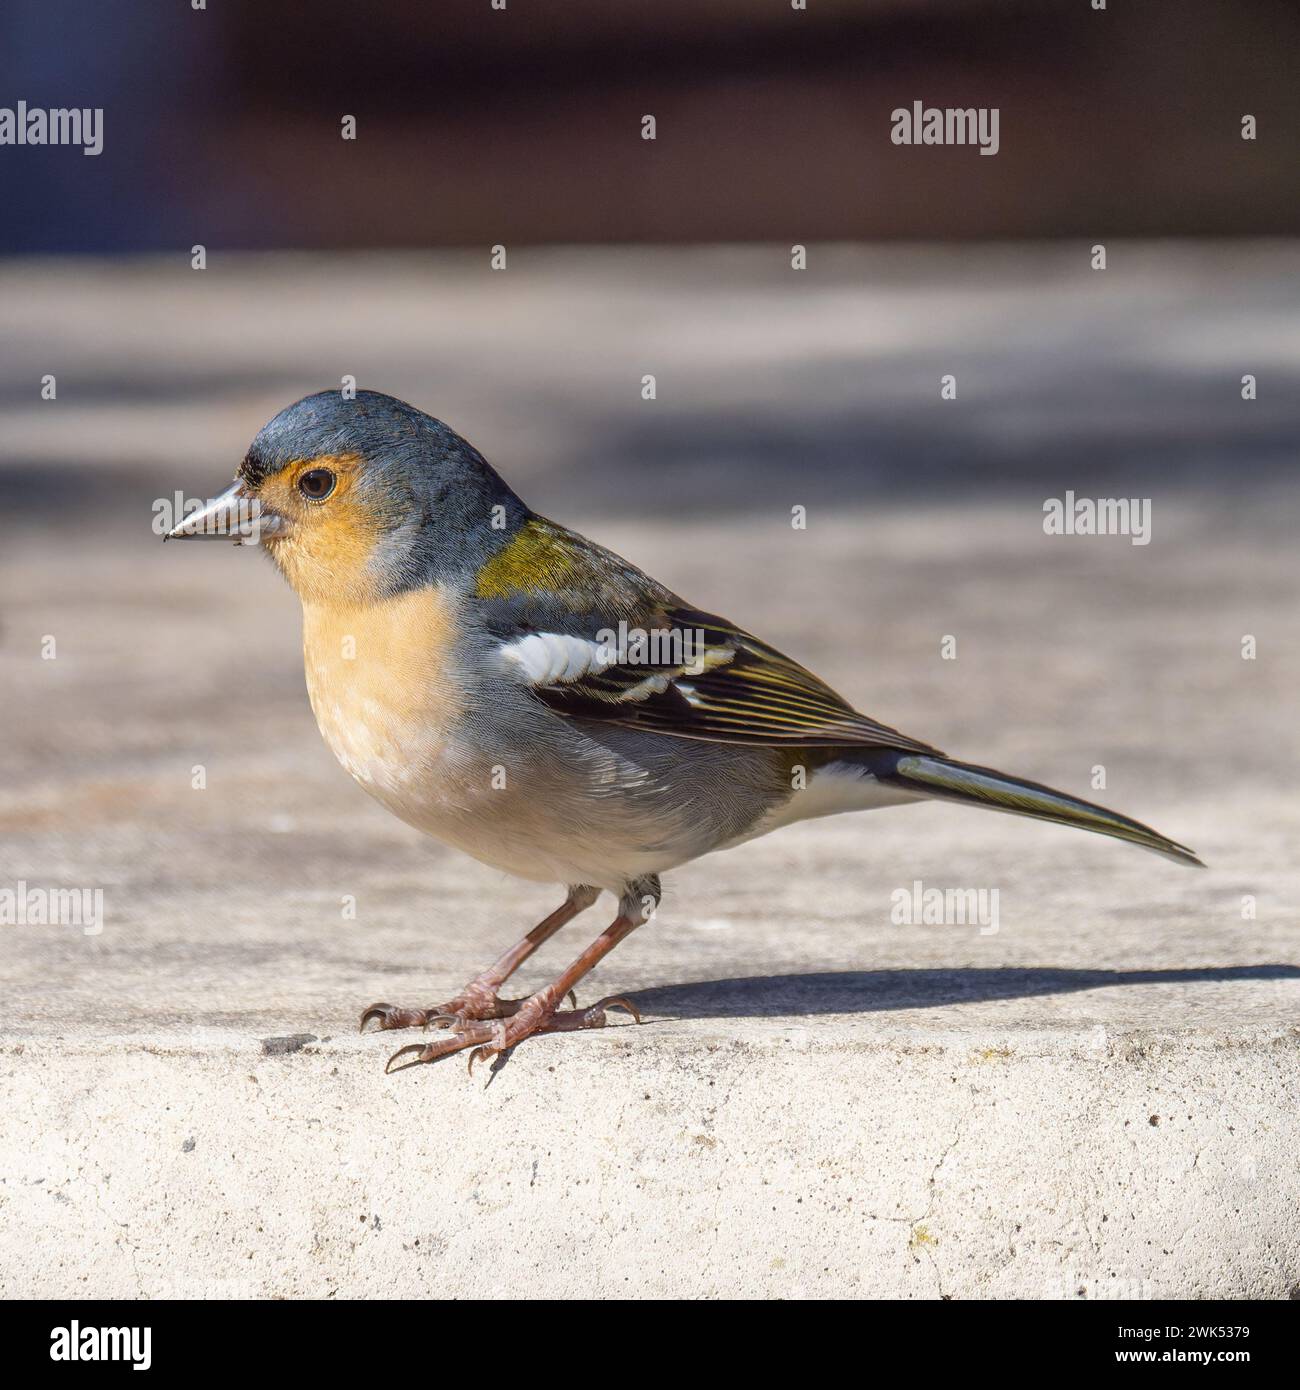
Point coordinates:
pixel 611 644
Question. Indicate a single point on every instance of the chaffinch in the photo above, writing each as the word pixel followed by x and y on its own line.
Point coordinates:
pixel 531 698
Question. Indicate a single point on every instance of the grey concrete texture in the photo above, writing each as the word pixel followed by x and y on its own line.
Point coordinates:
pixel 1098 1099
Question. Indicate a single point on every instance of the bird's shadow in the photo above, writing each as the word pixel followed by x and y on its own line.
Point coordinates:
pixel 878 991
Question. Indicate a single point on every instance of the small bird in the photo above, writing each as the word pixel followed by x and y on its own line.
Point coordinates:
pixel 531 698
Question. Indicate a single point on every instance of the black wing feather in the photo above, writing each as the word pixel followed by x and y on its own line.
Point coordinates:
pixel 754 694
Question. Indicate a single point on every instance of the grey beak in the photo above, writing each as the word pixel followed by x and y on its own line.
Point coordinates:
pixel 234 516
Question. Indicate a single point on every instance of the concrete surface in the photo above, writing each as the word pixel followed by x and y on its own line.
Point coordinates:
pixel 1097 1100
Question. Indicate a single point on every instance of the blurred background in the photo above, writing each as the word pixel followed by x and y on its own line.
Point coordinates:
pixel 477 125
pixel 775 388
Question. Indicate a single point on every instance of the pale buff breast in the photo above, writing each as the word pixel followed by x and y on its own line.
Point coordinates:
pixel 383 690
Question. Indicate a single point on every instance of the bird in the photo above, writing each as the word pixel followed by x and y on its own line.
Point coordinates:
pixel 532 699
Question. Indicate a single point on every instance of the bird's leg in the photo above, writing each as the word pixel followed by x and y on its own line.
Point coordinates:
pixel 540 1012
pixel 478 1000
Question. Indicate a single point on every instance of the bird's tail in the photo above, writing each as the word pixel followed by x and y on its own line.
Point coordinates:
pixel 981 786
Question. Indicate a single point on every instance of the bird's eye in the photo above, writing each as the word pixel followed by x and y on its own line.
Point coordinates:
pixel 316 484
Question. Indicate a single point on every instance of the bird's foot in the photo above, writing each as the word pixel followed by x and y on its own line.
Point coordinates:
pixel 475 1003
pixel 491 1037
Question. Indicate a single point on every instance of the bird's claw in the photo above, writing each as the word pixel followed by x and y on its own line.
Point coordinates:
pixel 464 1036
pixel 594 1016
pixel 392 1016
pixel 487 1039
pixel 401 1051
pixel 493 1049
pixel 473 1006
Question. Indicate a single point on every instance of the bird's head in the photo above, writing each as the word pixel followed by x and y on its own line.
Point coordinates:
pixel 359 499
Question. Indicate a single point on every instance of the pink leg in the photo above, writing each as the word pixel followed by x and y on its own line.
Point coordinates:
pixel 478 1000
pixel 539 1013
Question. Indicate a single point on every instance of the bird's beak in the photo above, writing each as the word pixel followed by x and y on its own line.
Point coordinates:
pixel 234 516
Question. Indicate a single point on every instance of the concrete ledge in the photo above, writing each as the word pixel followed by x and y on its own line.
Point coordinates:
pixel 679 1159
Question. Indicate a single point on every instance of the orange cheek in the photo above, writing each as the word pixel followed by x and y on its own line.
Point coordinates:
pixel 327 551
pixel 341 541
pixel 326 557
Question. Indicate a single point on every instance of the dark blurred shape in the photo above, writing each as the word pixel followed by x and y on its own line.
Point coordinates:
pixel 478 126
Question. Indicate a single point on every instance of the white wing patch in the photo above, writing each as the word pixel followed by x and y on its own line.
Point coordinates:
pixel 550 658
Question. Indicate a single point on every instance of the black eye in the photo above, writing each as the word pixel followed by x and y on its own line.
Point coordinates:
pixel 317 484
